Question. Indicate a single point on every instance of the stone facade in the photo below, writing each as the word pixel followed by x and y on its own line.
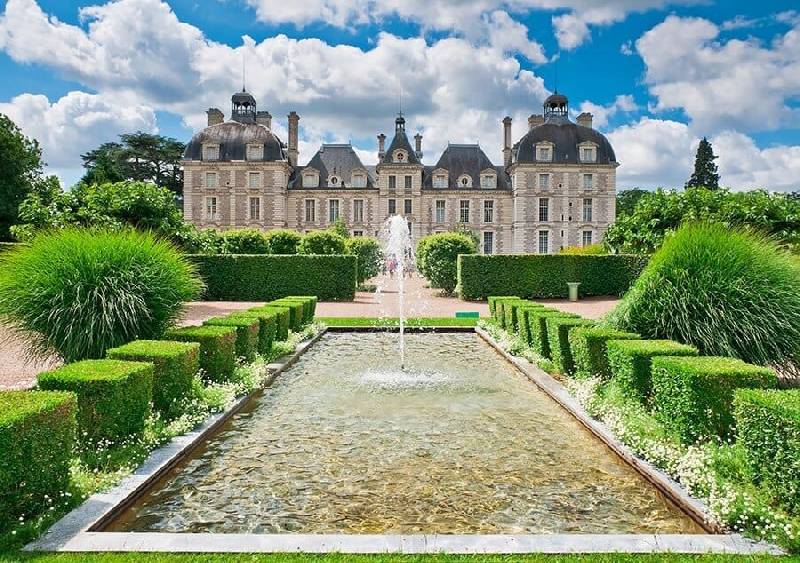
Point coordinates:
pixel 555 189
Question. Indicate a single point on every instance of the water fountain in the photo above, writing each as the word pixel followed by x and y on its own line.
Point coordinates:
pixel 396 244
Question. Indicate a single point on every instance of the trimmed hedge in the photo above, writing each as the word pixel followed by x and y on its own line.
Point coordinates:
pixel 630 363
pixel 693 396
pixel 244 277
pixel 558 329
pixel 246 334
pixel 535 276
pixel 296 312
pixel 499 309
pixel 113 395
pixel 283 316
pixel 267 327
pixel 511 313
pixel 217 349
pixel 37 438
pixel 310 302
pixel 768 424
pixel 537 326
pixel 493 300
pixel 523 321
pixel 588 346
pixel 175 364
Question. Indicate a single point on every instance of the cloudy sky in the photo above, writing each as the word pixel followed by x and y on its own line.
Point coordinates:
pixel 657 74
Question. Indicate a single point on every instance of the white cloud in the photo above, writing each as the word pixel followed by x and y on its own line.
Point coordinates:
pixel 511 36
pixel 743 165
pixel 622 104
pixel 721 85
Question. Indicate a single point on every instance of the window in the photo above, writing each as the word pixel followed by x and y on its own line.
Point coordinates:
pixel 333 210
pixel 255 152
pixel 465 181
pixel 407 207
pixel 488 242
pixel 440 209
pixel 358 210
pixel 311 211
pixel 254 180
pixel 464 211
pixel 392 206
pixel 310 180
pixel 392 182
pixel 255 208
pixel 211 153
pixel 587 154
pixel 440 181
pixel 588 181
pixel 488 181
pixel 211 208
pixel 544 181
pixel 333 181
pixel 211 179
pixel 543 153
pixel 587 210
pixel 544 242
pixel 399 156
pixel 359 181
pixel 488 211
pixel 544 209
pixel 407 183
pixel 358 233
pixel 587 238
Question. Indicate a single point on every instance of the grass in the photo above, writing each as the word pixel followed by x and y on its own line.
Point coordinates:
pixel 394 322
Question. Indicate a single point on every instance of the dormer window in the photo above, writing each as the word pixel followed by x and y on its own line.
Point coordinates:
pixel 544 153
pixel 488 181
pixel 255 152
pixel 464 181
pixel 400 157
pixel 588 152
pixel 210 152
pixel 359 181
pixel 440 181
pixel 333 181
pixel 310 180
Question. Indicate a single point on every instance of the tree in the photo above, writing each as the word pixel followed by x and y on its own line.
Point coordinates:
pixel 705 173
pixel 627 200
pixel 138 157
pixel 20 170
pixel 437 257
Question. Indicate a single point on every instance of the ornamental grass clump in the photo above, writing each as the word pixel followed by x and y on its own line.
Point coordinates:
pixel 727 292
pixel 75 293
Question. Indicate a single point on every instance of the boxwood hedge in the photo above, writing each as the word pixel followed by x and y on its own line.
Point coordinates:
pixel 283 315
pixel 37 438
pixel 265 277
pixel 693 396
pixel 175 365
pixel 113 395
pixel 558 329
pixel 493 300
pixel 589 349
pixel 768 424
pixel 537 326
pixel 246 334
pixel 266 328
pixel 217 349
pixel 511 309
pixel 534 276
pixel 296 312
pixel 523 320
pixel 630 363
pixel 310 302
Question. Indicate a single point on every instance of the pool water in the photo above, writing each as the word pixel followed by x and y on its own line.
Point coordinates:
pixel 460 442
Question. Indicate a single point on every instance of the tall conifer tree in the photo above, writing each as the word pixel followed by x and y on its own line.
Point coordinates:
pixel 705 173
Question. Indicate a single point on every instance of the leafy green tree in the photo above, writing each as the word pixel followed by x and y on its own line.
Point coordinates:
pixel 283 241
pixel 244 241
pixel 103 164
pixel 437 257
pixel 20 172
pixel 323 242
pixel 369 254
pixel 340 228
pixel 705 173
pixel 627 200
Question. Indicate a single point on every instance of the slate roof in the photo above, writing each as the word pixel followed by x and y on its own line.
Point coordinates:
pixel 400 141
pixel 334 159
pixel 233 138
pixel 465 159
pixel 565 136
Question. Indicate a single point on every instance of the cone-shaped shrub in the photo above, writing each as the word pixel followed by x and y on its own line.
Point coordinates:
pixel 727 292
pixel 76 293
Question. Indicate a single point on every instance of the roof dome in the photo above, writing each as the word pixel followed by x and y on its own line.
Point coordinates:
pixel 565 137
pixel 233 138
pixel 243 98
pixel 555 99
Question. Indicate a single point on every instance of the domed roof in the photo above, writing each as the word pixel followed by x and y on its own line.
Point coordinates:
pixel 565 136
pixel 243 98
pixel 233 138
pixel 555 99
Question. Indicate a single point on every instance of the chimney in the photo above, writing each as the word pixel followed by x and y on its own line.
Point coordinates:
pixel 215 116
pixel 381 147
pixel 293 151
pixel 506 141
pixel 418 143
pixel 264 118
pixel 585 120
pixel 534 120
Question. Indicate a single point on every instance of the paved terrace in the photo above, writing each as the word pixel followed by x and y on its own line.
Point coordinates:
pixel 19 372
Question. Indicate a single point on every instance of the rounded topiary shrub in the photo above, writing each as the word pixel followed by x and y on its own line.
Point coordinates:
pixel 727 292
pixel 437 257
pixel 283 241
pixel 75 293
pixel 322 242
pixel 244 241
pixel 369 254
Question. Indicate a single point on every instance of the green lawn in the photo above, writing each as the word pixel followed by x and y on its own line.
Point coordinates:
pixel 393 322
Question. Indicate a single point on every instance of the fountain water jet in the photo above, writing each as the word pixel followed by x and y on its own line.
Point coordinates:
pixel 396 243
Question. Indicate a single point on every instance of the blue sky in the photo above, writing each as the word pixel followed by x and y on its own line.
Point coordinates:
pixel 657 74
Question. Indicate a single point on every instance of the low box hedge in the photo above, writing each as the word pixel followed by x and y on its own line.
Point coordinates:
pixel 693 396
pixel 493 300
pixel 175 365
pixel 310 303
pixel 558 329
pixel 217 349
pixel 37 440
pixel 264 277
pixel 537 276
pixel 537 327
pixel 296 312
pixel 113 395
pixel 246 334
pixel 511 313
pixel 588 346
pixel 268 324
pixel 523 320
pixel 283 316
pixel 630 363
pixel 768 425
